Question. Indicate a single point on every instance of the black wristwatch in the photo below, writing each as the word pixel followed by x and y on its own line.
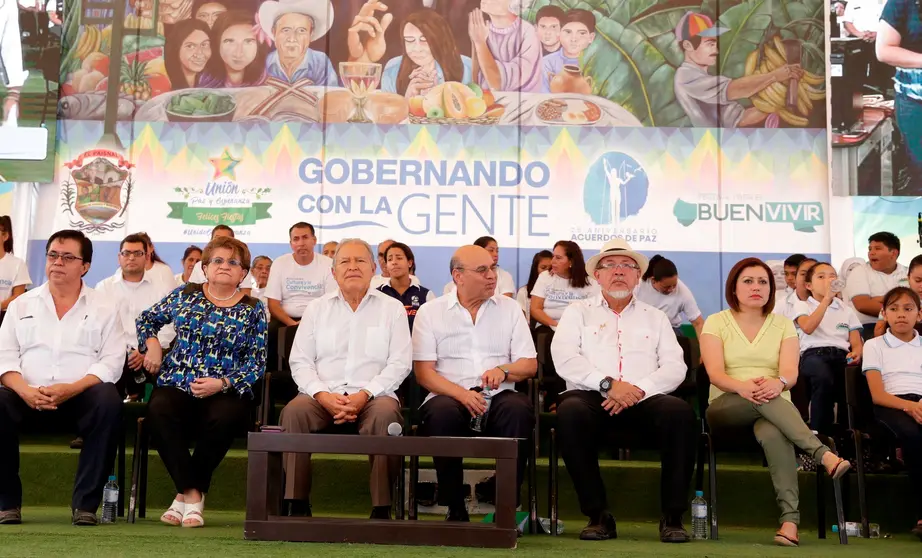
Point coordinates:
pixel 605 384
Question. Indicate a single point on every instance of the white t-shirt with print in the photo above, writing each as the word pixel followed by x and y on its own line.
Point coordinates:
pixel 558 293
pixel 13 273
pixel 295 285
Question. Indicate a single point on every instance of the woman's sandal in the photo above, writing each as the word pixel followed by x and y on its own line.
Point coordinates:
pixel 174 515
pixel 839 469
pixel 783 540
pixel 194 515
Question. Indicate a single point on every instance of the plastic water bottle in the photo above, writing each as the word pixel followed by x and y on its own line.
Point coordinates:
pixel 545 525
pixel 853 529
pixel 110 501
pixel 699 516
pixel 478 421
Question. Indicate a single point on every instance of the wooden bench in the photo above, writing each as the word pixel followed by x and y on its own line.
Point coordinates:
pixel 264 492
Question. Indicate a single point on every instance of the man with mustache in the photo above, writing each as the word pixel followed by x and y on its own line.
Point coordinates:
pixel 293 24
pixel 710 101
pixel 621 359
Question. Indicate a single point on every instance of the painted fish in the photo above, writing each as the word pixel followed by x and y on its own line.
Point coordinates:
pixel 92 106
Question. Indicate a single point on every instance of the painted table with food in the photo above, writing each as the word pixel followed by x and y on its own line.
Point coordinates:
pixel 449 103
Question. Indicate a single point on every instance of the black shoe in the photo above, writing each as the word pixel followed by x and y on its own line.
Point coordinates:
pixel 380 512
pixel 458 514
pixel 76 443
pixel 600 528
pixel 672 531
pixel 297 508
pixel 11 517
pixel 84 518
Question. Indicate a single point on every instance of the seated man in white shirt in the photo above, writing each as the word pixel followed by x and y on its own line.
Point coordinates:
pixel 351 353
pixel 299 277
pixel 134 289
pixel 61 352
pixel 620 360
pixel 198 272
pixel 505 284
pixel 465 343
pixel 866 285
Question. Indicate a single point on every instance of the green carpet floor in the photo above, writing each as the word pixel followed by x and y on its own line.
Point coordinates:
pixel 47 532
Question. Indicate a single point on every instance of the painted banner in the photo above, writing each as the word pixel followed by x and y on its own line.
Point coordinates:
pixel 661 189
pixel 591 63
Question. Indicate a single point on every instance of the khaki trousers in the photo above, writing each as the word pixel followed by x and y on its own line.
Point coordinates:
pixel 305 415
pixel 778 427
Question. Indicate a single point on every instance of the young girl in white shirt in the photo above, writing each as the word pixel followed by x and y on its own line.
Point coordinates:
pixel 830 338
pixel 14 275
pixel 661 288
pixel 893 366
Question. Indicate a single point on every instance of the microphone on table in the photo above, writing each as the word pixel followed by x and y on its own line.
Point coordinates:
pixel 394 429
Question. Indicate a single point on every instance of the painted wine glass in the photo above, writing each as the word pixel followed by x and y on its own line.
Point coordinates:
pixel 361 79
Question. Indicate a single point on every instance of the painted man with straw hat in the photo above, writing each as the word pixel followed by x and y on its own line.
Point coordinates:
pixel 293 25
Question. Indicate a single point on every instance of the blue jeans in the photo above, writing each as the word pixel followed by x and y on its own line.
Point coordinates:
pixel 909 122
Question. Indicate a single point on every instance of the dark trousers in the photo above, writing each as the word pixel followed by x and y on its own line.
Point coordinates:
pixel 176 418
pixel 909 435
pixel 552 384
pixel 97 415
pixel 511 415
pixel 663 420
pixel 822 372
pixel 284 387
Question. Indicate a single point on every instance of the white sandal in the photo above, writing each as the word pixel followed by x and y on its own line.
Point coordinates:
pixel 173 516
pixel 193 513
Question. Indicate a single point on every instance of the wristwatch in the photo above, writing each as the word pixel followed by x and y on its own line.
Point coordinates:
pixel 227 385
pixel 605 384
pixel 505 370
pixel 783 383
pixel 368 393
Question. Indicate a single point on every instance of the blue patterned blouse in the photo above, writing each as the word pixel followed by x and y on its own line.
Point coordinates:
pixel 211 342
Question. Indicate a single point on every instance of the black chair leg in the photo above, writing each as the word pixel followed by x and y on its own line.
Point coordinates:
pixel 120 472
pixel 552 482
pixel 699 472
pixel 135 473
pixel 821 500
pixel 712 489
pixel 142 489
pixel 840 510
pixel 399 507
pixel 862 488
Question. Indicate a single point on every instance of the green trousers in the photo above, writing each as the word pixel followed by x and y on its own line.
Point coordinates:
pixel 778 427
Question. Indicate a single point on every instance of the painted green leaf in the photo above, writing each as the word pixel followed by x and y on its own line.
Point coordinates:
pixel 747 23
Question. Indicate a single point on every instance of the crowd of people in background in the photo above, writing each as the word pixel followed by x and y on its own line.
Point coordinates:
pixel 360 343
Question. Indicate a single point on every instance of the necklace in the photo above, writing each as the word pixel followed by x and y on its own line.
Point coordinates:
pixel 221 299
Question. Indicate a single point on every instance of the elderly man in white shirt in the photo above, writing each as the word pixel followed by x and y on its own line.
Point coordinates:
pixel 61 352
pixel 134 289
pixel 350 354
pixel 620 359
pixel 466 344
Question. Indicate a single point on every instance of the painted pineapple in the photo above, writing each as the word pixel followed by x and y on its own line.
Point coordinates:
pixel 134 81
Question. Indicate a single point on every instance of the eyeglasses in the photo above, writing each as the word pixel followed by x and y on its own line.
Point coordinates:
pixel 618 266
pixel 222 261
pixel 135 253
pixel 482 270
pixel 66 258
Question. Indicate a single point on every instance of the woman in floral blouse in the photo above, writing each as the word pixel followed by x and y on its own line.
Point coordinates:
pixel 205 383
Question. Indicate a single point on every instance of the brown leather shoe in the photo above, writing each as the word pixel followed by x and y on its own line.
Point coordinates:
pixel 83 518
pixel 672 531
pixel 600 529
pixel 11 517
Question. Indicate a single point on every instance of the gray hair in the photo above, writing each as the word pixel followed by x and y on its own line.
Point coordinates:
pixel 454 264
pixel 258 259
pixel 275 23
pixel 360 242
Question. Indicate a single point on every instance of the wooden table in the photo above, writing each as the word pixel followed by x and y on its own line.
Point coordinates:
pixel 264 492
pixel 862 162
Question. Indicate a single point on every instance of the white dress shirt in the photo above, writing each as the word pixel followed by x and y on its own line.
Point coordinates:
pixel 899 363
pixel 47 350
pixel 11 44
pixel 134 298
pixel 838 322
pixel 637 346
pixel 339 350
pixel 785 306
pixel 463 349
